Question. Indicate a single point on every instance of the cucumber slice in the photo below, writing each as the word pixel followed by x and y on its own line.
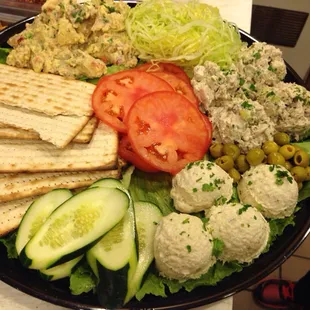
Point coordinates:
pixel 148 215
pixel 114 258
pixel 74 227
pixel 109 183
pixel 37 214
pixel 60 271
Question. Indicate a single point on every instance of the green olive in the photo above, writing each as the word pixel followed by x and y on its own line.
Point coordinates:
pixel 307 173
pixel 299 173
pixel 281 138
pixel 288 151
pixel 275 158
pixel 225 162
pixel 216 150
pixel 301 158
pixel 270 147
pixel 300 185
pixel 232 150
pixel 242 164
pixel 255 156
pixel 234 173
pixel 288 165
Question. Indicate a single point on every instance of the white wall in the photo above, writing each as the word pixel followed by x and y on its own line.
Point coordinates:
pixel 299 56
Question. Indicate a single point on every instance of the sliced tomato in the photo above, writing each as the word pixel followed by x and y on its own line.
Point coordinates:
pixel 115 94
pixel 152 67
pixel 179 86
pixel 167 131
pixel 125 151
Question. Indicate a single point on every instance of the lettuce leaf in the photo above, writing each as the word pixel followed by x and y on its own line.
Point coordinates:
pixel 304 193
pixel 9 243
pixel 82 279
pixel 155 284
pixel 4 52
pixel 152 187
pixel 277 227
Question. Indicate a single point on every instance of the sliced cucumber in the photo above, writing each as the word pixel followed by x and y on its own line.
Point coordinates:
pixel 148 215
pixel 60 271
pixel 74 227
pixel 114 258
pixel 37 214
pixel 109 183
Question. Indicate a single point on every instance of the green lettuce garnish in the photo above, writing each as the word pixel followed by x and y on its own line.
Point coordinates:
pixel 82 279
pixel 152 187
pixel 156 285
pixel 4 52
pixel 9 243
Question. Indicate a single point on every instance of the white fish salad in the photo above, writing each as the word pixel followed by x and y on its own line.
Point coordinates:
pixel 241 228
pixel 182 247
pixel 269 188
pixel 198 185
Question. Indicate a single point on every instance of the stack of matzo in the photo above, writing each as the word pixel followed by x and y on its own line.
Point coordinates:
pixel 49 139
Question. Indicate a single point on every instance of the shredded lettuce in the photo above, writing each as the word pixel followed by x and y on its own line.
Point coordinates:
pixel 187 34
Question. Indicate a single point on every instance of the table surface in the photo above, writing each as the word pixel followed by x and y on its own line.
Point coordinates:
pixel 237 11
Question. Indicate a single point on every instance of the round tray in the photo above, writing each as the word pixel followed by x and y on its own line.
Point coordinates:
pixel 58 292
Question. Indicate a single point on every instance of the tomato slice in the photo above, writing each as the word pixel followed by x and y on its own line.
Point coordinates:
pixel 152 67
pixel 115 94
pixel 167 131
pixel 179 86
pixel 125 151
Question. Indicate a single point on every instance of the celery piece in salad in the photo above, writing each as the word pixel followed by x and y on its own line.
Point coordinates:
pixel 187 34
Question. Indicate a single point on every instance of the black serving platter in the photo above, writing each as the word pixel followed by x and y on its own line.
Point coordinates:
pixel 28 281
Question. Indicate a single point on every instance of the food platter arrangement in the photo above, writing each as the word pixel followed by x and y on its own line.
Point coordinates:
pixel 152 155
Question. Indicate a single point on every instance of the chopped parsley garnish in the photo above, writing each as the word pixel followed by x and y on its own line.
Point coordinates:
pixel 272 69
pixel 271 93
pixel 217 182
pixel 271 168
pixel 280 174
pixel 182 232
pixel 252 87
pixel 255 218
pixel 111 9
pixel 250 183
pixel 257 55
pixel 189 166
pixel 155 223
pixel 189 248
pixel 62 6
pixel 246 105
pixel 241 82
pixel 299 98
pixel 208 187
pixel 212 175
pixel 110 40
pixel 186 221
pixel 220 201
pixel 29 35
pixel 210 165
pixel 243 209
pixel 198 179
pixel 195 190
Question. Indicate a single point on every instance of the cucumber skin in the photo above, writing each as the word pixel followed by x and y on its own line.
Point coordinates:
pixel 112 286
pixel 26 261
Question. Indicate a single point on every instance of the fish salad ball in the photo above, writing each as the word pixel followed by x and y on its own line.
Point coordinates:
pixel 198 185
pixel 271 189
pixel 182 247
pixel 242 229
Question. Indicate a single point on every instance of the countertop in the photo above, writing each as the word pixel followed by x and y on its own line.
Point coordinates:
pixel 237 11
